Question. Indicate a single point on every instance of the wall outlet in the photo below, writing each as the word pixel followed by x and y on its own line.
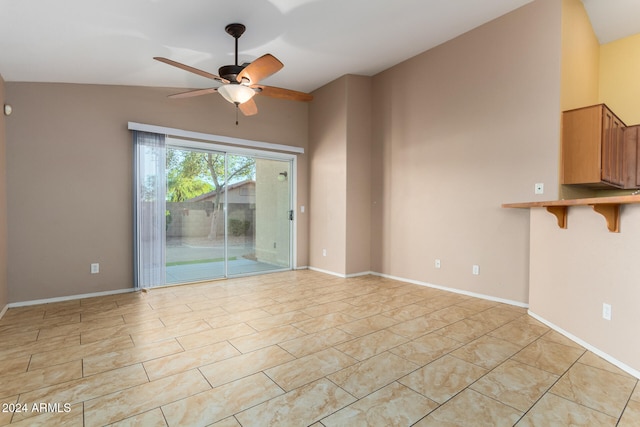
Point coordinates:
pixel 437 263
pixel 475 270
pixel 95 268
pixel 539 188
pixel 606 311
pixel 324 252
pixel 301 209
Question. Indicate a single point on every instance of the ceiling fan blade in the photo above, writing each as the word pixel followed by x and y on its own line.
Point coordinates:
pixel 278 92
pixel 191 69
pixel 259 69
pixel 249 108
pixel 196 92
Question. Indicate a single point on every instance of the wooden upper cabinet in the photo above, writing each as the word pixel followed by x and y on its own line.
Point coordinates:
pixel 613 159
pixel 632 145
pixel 637 144
pixel 582 145
pixel 598 149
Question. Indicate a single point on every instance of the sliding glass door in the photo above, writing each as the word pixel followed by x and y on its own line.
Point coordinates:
pixel 194 215
pixel 227 214
pixel 258 218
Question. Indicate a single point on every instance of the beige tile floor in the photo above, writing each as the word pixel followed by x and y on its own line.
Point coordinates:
pixel 300 348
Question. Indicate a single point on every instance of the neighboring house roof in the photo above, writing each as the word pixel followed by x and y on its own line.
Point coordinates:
pixel 230 187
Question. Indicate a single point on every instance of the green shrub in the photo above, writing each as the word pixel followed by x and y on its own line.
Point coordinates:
pixel 239 227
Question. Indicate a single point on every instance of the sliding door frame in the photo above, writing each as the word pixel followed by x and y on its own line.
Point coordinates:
pixel 225 144
pixel 177 142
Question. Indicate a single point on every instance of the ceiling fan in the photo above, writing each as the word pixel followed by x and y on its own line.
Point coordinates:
pixel 241 82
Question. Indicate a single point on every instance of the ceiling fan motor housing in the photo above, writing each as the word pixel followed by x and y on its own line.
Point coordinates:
pixel 230 72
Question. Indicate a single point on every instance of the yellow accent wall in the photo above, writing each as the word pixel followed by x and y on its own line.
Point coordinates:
pixel 580 58
pixel 594 73
pixel 580 64
pixel 620 78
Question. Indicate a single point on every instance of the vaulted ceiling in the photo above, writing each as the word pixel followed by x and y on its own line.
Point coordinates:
pixel 113 42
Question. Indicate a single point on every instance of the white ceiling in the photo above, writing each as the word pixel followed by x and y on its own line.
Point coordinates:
pixel 113 41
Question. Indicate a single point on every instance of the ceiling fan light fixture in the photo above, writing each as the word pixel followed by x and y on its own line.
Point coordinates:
pixel 236 93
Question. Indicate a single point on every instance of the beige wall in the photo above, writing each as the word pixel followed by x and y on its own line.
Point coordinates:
pixel 328 177
pixel 69 175
pixel 575 270
pixel 359 146
pixel 340 152
pixel 457 131
pixel 4 290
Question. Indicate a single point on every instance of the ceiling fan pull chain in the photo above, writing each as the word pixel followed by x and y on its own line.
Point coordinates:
pixel 237 108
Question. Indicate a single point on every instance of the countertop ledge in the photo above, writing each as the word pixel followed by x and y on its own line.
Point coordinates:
pixel 608 207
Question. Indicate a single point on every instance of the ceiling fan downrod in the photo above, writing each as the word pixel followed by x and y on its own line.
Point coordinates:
pixel 230 72
pixel 235 30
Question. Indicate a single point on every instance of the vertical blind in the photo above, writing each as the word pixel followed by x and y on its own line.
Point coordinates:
pixel 149 209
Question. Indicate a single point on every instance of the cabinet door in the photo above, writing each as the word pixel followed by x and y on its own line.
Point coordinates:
pixel 612 149
pixel 632 156
pixel 637 165
pixel 581 145
pixel 631 171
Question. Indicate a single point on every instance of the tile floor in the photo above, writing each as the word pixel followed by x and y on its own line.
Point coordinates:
pixel 300 348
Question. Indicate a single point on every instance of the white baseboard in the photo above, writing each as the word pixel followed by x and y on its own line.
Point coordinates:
pixel 4 310
pixel 362 273
pixel 332 273
pixel 454 290
pixel 430 285
pixel 628 369
pixel 69 298
pixel 344 276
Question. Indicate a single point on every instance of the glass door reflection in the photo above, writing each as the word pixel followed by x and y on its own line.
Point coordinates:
pixel 226 215
pixel 259 238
